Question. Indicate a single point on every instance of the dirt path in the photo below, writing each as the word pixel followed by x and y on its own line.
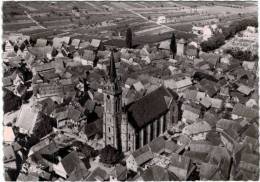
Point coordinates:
pixel 36 22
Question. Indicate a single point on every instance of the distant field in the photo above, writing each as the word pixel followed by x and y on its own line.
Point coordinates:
pixel 114 17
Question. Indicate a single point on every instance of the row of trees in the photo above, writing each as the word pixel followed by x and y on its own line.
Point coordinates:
pixel 242 55
pixel 227 32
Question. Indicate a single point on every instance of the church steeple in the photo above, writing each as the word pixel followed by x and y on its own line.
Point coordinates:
pixel 112 68
pixel 112 107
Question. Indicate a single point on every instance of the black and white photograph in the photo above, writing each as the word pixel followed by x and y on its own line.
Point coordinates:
pixel 130 91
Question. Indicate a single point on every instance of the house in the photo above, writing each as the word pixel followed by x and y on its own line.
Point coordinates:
pixel 119 173
pixel 75 43
pixel 138 158
pixel 210 171
pixel 253 101
pixel 206 102
pixel 248 65
pixel 211 58
pixel 183 140
pixel 41 43
pixel 209 87
pixel 230 137
pixel 242 111
pixel 224 124
pixel 190 113
pixel 9 154
pixel 8 136
pixel 138 86
pixel 93 129
pixel 197 130
pixel 202 146
pixel 68 164
pixel 27 119
pixel 162 146
pixel 155 173
pixel 249 162
pixel 57 42
pixel 250 144
pixel 165 45
pixel 129 82
pixel 183 84
pixel 181 166
pixel 192 53
pixel 161 20
pixel 96 44
pixel 220 156
pixel 7 81
pixel 216 103
pixel 244 89
pixel 97 174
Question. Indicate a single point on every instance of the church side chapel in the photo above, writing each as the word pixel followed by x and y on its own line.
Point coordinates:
pixel 129 127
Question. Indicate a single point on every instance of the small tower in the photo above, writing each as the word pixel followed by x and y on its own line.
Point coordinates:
pixel 181 47
pixel 112 108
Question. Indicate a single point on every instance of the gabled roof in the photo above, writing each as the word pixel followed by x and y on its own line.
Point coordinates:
pixel 41 43
pixel 220 155
pixel 97 175
pixel 244 89
pixel 120 172
pixel 94 128
pixel 165 45
pixel 192 52
pixel 71 162
pixel 182 41
pixel 142 155
pixel 148 108
pixel 8 134
pixel 89 55
pixel 180 161
pixel 95 43
pixel 74 114
pixel 9 154
pixel 210 58
pixel 196 128
pixel 27 118
pixel 157 145
pixel 75 42
pixel 155 173
pixel 184 83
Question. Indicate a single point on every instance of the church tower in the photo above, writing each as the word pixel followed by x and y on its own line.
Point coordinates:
pixel 112 108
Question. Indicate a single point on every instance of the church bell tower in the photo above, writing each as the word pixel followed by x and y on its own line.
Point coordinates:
pixel 112 108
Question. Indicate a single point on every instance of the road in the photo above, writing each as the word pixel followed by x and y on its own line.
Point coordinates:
pixel 36 22
pixel 31 18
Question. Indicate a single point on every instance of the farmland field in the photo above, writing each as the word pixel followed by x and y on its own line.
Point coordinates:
pixel 94 17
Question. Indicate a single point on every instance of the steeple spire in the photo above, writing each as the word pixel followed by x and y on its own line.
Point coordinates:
pixel 112 68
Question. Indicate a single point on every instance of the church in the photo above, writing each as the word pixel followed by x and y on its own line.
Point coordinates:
pixel 129 127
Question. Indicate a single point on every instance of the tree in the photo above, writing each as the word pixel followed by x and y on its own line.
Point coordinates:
pixel 173 46
pixel 129 38
pixel 16 48
pixel 110 155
